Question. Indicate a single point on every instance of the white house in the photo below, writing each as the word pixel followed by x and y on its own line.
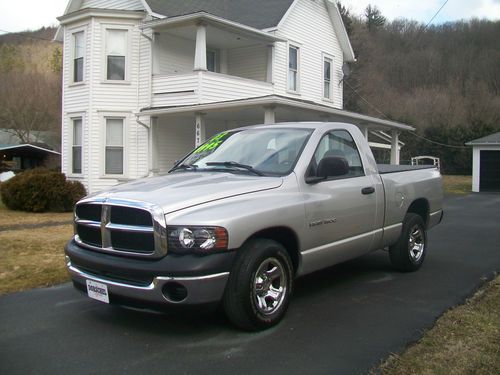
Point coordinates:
pixel 147 80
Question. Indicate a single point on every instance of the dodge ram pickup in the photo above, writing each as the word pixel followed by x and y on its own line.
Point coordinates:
pixel 239 218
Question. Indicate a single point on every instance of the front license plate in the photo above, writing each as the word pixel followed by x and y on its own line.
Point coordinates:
pixel 98 291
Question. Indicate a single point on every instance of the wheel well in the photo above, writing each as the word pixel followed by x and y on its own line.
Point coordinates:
pixel 284 236
pixel 421 208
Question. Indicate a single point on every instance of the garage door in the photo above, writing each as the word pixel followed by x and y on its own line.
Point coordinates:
pixel 490 171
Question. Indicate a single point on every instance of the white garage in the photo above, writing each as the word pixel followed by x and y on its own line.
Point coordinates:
pixel 486 163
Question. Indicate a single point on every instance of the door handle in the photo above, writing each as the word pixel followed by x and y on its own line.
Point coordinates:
pixel 368 190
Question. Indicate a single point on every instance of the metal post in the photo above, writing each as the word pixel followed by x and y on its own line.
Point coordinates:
pixel 395 148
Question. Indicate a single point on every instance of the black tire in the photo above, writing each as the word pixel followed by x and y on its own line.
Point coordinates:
pixel 251 282
pixel 408 254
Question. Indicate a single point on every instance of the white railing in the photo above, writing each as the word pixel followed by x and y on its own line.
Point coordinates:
pixel 205 87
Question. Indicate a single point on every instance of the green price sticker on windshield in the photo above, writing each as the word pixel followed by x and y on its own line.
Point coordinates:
pixel 212 144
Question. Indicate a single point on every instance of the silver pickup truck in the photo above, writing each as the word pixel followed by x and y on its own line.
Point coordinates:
pixel 244 214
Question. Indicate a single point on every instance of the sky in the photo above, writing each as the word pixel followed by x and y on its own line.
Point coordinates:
pixel 19 15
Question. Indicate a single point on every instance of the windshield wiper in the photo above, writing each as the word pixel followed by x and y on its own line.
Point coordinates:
pixel 233 164
pixel 184 166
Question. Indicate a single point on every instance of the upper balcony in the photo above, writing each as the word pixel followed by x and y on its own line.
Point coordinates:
pixel 201 58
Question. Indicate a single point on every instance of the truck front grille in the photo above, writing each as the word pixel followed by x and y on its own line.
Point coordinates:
pixel 136 229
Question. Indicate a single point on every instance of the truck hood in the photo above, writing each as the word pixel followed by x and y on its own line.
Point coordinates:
pixel 181 190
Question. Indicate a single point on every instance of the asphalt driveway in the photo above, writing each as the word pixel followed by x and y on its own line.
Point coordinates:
pixel 342 320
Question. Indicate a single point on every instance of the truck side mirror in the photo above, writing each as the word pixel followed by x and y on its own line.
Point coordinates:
pixel 330 166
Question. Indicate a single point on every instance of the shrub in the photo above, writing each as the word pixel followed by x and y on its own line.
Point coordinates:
pixel 41 190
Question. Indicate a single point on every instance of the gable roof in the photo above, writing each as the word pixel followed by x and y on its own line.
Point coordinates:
pixel 261 14
pixel 491 139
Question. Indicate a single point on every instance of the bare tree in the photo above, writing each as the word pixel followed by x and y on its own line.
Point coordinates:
pixel 29 103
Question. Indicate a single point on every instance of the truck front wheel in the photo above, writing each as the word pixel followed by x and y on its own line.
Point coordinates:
pixel 408 253
pixel 259 286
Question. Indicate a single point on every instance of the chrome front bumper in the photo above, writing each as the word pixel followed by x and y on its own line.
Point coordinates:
pixel 200 290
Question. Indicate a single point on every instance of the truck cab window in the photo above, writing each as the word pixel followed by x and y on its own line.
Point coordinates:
pixel 338 143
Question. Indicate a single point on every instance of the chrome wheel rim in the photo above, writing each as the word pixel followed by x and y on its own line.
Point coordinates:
pixel 269 287
pixel 416 243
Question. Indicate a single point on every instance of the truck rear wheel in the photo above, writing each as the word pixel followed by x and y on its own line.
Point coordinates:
pixel 259 286
pixel 408 254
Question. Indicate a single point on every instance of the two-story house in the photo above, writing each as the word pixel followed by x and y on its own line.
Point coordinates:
pixel 147 80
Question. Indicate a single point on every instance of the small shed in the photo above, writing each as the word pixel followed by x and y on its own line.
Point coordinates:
pixel 486 163
pixel 27 156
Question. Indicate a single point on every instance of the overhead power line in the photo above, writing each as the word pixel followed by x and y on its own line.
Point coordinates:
pixel 435 15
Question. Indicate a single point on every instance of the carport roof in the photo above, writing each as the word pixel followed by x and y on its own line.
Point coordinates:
pixel 277 100
pixel 492 139
pixel 26 149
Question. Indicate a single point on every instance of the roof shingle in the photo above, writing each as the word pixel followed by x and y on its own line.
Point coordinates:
pixel 260 14
pixel 492 138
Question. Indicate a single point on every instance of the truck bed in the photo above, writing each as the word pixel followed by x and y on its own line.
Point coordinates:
pixel 389 168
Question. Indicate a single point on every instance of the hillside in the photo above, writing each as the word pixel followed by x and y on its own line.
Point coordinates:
pixel 444 80
pixel 30 86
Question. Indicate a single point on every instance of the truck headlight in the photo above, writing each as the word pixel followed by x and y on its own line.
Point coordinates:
pixel 183 239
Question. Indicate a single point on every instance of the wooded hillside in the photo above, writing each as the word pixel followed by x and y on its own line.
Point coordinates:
pixel 30 85
pixel 444 80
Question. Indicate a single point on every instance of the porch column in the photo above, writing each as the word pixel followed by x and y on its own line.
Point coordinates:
pixel 154 145
pixel 200 55
pixel 269 117
pixel 270 63
pixel 199 129
pixel 395 148
pixel 364 130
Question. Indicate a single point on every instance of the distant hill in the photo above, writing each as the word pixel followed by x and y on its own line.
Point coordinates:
pixel 30 85
pixel 444 80
pixel 45 33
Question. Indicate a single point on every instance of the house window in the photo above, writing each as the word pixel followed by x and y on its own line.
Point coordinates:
pixel 327 78
pixel 77 146
pixel 293 68
pixel 79 46
pixel 212 61
pixel 114 146
pixel 116 48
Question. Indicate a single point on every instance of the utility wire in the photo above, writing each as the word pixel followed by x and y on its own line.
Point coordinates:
pixel 383 115
pixel 435 15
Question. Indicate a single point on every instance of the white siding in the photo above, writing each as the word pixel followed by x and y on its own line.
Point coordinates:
pixel 174 138
pixel 248 62
pixel 174 55
pixel 113 4
pixel 309 27
pixel 204 87
pixel 76 100
pixel 220 87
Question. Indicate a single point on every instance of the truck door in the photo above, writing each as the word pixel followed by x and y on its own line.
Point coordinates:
pixel 341 211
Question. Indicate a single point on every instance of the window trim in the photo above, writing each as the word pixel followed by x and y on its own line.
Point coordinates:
pixel 334 178
pixel 298 48
pixel 216 53
pixel 114 115
pixel 71 136
pixel 324 58
pixel 72 82
pixel 128 46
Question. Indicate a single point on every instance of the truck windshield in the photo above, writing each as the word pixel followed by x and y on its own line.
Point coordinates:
pixel 272 151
